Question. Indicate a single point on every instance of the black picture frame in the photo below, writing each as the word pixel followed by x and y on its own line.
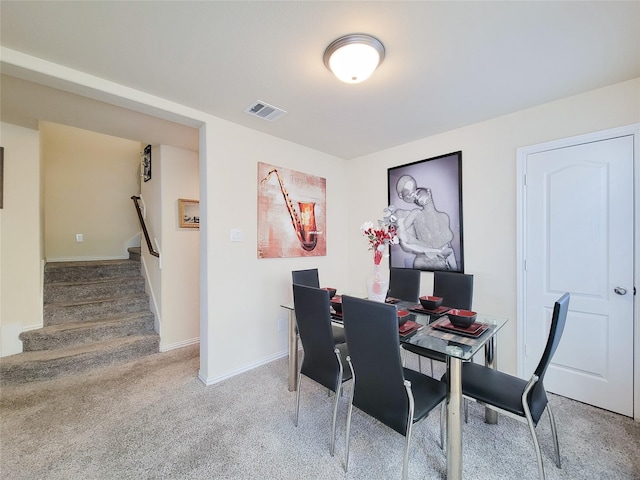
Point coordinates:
pixel 427 196
pixel 146 163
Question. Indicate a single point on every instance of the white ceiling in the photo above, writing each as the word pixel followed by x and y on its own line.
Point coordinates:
pixel 448 64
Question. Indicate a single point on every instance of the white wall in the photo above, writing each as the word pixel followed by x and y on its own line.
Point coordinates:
pixel 173 280
pixel 181 250
pixel 89 179
pixel 230 272
pixel 489 190
pixel 151 205
pixel 20 237
pixel 244 292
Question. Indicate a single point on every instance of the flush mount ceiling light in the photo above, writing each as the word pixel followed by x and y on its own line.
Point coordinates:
pixel 353 58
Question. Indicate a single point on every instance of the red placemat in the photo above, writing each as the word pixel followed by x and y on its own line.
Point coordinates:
pixel 475 330
pixel 409 327
pixel 437 311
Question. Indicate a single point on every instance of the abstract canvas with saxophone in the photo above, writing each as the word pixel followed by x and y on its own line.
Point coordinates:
pixel 291 213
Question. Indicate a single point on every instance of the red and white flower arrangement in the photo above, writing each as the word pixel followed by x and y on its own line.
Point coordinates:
pixel 383 235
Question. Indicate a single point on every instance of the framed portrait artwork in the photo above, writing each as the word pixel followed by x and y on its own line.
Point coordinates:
pixel 427 196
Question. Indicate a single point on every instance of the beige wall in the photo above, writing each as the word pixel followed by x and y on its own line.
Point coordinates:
pixel 489 190
pixel 174 279
pixel 151 204
pixel 237 289
pixel 20 237
pixel 89 179
pixel 244 292
pixel 181 269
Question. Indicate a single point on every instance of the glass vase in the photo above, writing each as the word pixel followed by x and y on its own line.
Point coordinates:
pixel 377 286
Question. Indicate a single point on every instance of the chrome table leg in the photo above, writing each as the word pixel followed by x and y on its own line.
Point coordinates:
pixel 293 352
pixel 490 360
pixel 454 420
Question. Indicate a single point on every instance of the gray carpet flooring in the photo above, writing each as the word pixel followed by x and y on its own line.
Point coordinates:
pixel 153 419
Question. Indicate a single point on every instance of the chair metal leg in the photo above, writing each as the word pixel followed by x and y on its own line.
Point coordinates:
pixel 407 443
pixel 335 402
pixel 466 410
pixel 443 411
pixel 298 390
pixel 420 363
pixel 431 360
pixel 554 431
pixel 350 409
pixel 335 414
pixel 532 427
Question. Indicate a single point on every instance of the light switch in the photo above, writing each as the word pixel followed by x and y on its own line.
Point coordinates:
pixel 236 235
pixel 79 237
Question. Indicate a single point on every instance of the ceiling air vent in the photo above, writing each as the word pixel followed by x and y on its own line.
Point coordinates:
pixel 264 110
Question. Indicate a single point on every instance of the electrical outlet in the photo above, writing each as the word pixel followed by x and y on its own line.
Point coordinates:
pixel 79 237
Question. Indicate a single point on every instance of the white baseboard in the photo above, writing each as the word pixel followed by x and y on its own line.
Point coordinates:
pixel 33 326
pixel 85 259
pixel 173 346
pixel 246 368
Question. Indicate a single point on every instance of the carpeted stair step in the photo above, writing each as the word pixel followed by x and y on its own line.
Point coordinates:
pixel 75 334
pixel 135 253
pixel 30 366
pixel 97 289
pixel 90 270
pixel 83 311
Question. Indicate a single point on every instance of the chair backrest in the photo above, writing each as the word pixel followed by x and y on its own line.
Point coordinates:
pixel 313 318
pixel 559 318
pixel 537 397
pixel 308 277
pixel 456 289
pixel 404 283
pixel 371 329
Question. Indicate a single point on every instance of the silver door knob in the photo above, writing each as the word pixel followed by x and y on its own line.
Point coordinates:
pixel 620 290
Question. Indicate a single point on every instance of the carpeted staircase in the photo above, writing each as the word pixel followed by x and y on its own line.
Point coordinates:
pixel 95 313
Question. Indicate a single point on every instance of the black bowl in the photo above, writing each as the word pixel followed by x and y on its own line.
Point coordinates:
pixel 461 318
pixel 403 316
pixel 332 291
pixel 430 303
pixel 336 303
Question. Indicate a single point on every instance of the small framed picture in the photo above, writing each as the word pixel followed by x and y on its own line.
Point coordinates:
pixel 189 213
pixel 146 163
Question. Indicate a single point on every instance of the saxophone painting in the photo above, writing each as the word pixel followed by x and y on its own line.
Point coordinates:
pixel 291 213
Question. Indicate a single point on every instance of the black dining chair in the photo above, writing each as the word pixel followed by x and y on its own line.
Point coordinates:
pixel 310 278
pixel 404 284
pixel 322 361
pixel 381 387
pixel 456 291
pixel 515 397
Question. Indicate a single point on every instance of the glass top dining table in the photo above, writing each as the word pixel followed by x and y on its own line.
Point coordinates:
pixel 456 347
pixel 448 342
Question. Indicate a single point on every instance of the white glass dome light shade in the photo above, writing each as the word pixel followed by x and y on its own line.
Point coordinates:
pixel 353 58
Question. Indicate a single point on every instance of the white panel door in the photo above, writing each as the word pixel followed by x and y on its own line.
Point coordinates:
pixel 579 239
